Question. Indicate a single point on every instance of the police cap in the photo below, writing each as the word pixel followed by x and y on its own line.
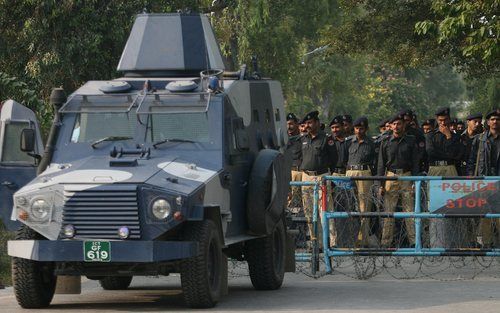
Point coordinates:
pixel 336 120
pixel 310 116
pixel 460 122
pixel 383 122
pixel 292 117
pixel 396 117
pixel 495 112
pixel 361 121
pixel 473 116
pixel 443 111
pixel 347 118
pixel 408 112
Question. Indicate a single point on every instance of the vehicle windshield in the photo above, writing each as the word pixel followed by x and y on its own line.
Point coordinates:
pixel 157 120
pixel 183 126
pixel 90 127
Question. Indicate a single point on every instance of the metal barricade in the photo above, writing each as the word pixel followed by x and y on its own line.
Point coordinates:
pixel 323 215
pixel 475 183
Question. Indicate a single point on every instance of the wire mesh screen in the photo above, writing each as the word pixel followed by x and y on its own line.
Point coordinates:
pixel 377 231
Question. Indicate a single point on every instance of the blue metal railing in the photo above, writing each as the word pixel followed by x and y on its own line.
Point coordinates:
pixel 417 215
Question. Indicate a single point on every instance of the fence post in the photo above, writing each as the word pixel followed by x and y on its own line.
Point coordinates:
pixel 418 221
pixel 315 250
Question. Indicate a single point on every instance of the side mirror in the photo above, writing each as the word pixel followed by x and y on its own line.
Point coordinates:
pixel 28 140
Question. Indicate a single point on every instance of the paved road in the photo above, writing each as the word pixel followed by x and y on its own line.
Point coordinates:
pixel 333 293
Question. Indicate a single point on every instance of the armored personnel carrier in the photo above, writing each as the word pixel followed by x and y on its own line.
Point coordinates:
pixel 172 168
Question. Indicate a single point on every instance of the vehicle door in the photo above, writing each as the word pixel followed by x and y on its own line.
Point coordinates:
pixel 17 168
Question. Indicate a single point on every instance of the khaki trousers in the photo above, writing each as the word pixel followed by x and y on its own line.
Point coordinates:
pixel 308 205
pixel 394 190
pixel 295 197
pixel 364 193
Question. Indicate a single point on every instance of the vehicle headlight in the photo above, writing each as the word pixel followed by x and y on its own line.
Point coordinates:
pixel 161 208
pixel 40 209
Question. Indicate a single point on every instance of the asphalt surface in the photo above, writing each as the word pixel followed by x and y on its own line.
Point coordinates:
pixel 331 293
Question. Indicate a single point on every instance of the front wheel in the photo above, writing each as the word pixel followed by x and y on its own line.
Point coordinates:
pixel 201 276
pixel 34 282
pixel 266 259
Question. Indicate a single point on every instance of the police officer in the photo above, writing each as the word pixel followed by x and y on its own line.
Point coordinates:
pixel 294 147
pixel 484 160
pixel 474 127
pixel 361 158
pixel 337 137
pixel 428 125
pixel 347 123
pixel 318 156
pixel 443 146
pixel 444 150
pixel 398 156
pixel 339 197
pixel 410 119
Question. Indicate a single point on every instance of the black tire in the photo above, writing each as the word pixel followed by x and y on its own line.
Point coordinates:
pixel 34 282
pixel 267 192
pixel 201 276
pixel 115 282
pixel 266 259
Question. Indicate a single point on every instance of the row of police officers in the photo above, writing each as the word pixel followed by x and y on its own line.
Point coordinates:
pixel 401 149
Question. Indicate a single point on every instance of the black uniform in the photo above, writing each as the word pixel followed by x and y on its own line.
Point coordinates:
pixel 467 143
pixel 361 155
pixel 295 149
pixel 318 154
pixel 440 149
pixel 377 141
pixel 340 165
pixel 398 155
pixel 485 151
pixel 420 142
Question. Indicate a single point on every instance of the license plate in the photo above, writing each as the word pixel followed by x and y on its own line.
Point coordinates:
pixel 97 251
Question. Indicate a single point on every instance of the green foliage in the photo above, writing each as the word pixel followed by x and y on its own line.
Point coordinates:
pixel 470 29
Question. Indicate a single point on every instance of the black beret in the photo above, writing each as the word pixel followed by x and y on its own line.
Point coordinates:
pixel 347 118
pixel 427 122
pixel 408 112
pixel 310 116
pixel 396 117
pixel 460 122
pixel 443 111
pixel 361 121
pixel 473 116
pixel 291 117
pixel 383 122
pixel 495 112
pixel 454 120
pixel 336 120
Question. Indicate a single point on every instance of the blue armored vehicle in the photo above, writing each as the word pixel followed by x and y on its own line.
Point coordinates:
pixel 172 168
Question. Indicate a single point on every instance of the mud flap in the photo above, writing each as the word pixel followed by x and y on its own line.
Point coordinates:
pixel 68 285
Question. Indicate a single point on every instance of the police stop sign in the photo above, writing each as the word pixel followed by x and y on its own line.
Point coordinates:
pixel 464 196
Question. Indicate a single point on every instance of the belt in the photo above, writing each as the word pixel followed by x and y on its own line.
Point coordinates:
pixel 316 173
pixel 358 167
pixel 399 171
pixel 295 168
pixel 440 163
pixel 339 170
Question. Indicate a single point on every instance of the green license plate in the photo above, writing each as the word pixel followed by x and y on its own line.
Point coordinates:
pixel 97 251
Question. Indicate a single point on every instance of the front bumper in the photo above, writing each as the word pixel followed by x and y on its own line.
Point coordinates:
pixel 121 251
